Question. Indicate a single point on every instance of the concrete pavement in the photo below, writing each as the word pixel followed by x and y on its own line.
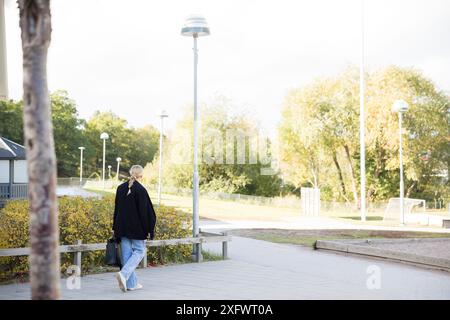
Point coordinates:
pixel 264 270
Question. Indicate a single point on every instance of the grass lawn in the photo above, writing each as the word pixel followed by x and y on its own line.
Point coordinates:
pixel 221 209
pixel 309 237
pixel 233 210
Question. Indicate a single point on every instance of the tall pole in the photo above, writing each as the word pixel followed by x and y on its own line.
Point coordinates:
pixel 195 175
pixel 118 159
pixel 163 115
pixel 81 165
pixel 3 61
pixel 362 125
pixel 402 190
pixel 103 171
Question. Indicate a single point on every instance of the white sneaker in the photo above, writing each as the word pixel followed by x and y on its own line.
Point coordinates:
pixel 138 287
pixel 121 281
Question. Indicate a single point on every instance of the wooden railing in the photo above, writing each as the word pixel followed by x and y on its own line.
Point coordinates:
pixel 79 247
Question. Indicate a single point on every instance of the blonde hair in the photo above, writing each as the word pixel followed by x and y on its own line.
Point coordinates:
pixel 136 172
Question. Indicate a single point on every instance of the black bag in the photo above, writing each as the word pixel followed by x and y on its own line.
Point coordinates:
pixel 113 255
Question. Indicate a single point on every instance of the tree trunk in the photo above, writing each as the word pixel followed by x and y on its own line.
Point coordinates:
pixel 410 189
pixel 35 27
pixel 341 177
pixel 352 177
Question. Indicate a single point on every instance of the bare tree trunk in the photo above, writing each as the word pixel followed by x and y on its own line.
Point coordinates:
pixel 352 177
pixel 410 189
pixel 341 177
pixel 35 23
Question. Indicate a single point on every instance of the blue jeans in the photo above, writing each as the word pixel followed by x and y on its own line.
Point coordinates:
pixel 132 253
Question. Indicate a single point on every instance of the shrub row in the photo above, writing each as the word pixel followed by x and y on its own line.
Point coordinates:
pixel 89 220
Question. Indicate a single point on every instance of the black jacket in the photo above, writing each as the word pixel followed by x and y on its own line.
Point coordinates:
pixel 134 216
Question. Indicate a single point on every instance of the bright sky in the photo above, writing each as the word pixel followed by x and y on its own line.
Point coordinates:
pixel 129 57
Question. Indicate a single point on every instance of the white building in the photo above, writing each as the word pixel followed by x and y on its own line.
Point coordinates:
pixel 13 171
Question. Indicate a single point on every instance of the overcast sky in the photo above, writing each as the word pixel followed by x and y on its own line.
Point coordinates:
pixel 129 57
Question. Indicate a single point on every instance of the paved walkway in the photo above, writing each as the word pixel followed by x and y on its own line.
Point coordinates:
pixel 263 270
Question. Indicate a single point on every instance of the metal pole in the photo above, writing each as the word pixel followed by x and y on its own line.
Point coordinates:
pixel 402 210
pixel 3 61
pixel 195 194
pixel 81 167
pixel 160 160
pixel 117 174
pixel 362 124
pixel 103 171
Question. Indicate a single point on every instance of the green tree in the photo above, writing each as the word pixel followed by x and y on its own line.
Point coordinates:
pixel 320 141
pixel 216 174
pixel 68 132
pixel 134 146
pixel 11 124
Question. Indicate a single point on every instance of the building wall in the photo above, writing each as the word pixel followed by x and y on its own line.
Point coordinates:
pixel 4 171
pixel 20 171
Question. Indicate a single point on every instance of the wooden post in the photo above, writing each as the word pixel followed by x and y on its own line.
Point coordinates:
pixel 144 263
pixel 225 247
pixel 77 257
pixel 198 251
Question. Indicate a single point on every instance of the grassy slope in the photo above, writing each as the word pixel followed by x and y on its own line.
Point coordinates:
pixel 309 237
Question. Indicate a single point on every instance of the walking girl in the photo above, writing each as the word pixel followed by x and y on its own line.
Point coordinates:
pixel 134 222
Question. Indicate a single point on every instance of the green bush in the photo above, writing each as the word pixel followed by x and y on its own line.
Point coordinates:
pixel 89 220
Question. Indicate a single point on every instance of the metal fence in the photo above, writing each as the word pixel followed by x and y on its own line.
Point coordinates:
pixel 14 191
pixel 292 201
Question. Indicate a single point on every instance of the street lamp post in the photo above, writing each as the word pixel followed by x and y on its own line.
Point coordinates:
pixel 118 159
pixel 104 136
pixel 162 116
pixel 400 107
pixel 3 62
pixel 81 164
pixel 195 26
pixel 109 171
pixel 362 124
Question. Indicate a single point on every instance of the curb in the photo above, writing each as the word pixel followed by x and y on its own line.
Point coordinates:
pixel 351 247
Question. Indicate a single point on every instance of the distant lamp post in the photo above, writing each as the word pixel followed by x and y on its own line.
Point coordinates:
pixel 109 171
pixel 118 159
pixel 195 26
pixel 400 107
pixel 161 134
pixel 81 164
pixel 104 136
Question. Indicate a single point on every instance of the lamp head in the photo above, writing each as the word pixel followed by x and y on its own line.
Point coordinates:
pixel 104 136
pixel 81 148
pixel 195 26
pixel 118 159
pixel 400 106
pixel 163 114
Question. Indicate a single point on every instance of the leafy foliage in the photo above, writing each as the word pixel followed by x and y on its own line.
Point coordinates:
pixel 134 146
pixel 89 220
pixel 320 139
pixel 216 173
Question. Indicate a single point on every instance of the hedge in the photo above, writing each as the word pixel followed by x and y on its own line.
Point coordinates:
pixel 90 220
